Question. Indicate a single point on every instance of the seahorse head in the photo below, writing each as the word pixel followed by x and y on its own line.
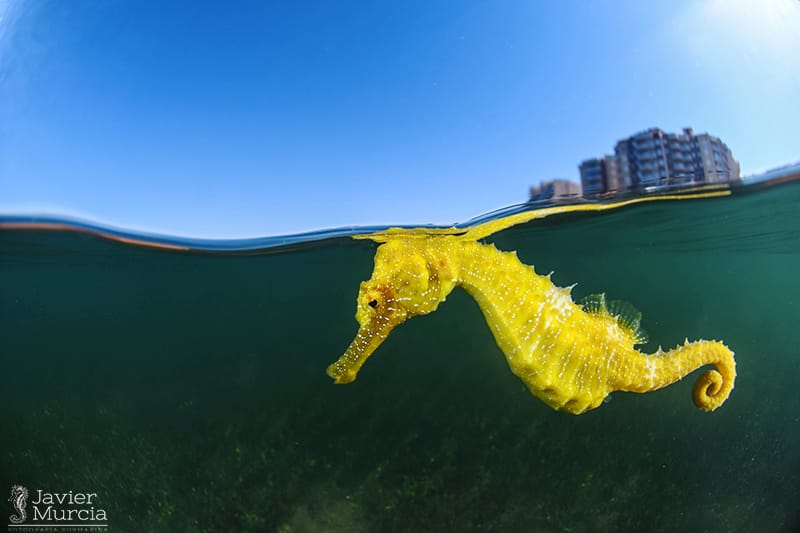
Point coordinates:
pixel 411 277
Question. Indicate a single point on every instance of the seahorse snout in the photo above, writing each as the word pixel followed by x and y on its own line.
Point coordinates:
pixel 370 335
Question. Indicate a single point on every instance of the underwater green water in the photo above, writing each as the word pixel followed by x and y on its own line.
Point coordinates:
pixel 188 390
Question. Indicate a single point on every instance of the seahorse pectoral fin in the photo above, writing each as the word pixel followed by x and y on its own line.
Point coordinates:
pixel 370 335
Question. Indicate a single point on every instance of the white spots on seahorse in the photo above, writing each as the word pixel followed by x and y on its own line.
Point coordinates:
pixel 650 370
pixel 567 358
pixel 560 300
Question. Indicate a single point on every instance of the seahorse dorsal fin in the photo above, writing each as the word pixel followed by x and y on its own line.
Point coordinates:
pixel 595 303
pixel 627 316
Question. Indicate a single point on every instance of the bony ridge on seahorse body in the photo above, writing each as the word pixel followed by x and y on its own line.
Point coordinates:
pixel 569 356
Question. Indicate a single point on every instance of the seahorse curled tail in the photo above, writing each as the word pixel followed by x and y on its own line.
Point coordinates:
pixel 712 388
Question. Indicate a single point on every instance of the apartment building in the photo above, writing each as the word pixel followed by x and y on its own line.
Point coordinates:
pixel 655 159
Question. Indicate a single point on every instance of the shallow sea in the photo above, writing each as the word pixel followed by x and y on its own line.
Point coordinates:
pixel 187 389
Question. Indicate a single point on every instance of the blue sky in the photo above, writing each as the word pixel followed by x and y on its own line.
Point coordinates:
pixel 243 119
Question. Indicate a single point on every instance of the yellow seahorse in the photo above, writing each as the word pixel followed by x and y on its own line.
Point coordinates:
pixel 569 356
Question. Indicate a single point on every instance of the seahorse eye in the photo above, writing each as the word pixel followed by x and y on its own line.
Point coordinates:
pixel 373 303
